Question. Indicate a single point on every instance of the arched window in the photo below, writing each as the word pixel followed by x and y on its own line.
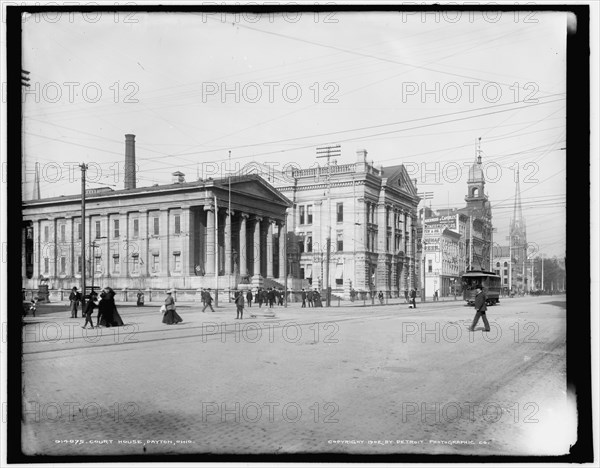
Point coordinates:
pixel 498 264
pixel 505 264
pixel 475 192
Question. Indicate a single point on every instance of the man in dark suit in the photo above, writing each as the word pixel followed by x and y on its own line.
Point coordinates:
pixel 249 297
pixel 303 298
pixel 413 295
pixel 309 298
pixel 271 297
pixel 480 307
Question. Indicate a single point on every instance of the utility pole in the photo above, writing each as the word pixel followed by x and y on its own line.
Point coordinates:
pixel 509 263
pixel 470 242
pixel 542 255
pixel 424 196
pixel 216 253
pixel 228 231
pixel 83 167
pixel 327 152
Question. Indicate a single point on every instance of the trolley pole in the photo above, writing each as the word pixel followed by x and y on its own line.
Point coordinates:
pixel 83 262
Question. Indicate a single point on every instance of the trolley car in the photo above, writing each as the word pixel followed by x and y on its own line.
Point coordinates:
pixel 488 281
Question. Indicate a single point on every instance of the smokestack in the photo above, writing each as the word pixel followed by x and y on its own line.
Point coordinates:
pixel 129 161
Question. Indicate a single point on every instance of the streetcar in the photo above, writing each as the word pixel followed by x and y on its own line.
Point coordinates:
pixel 488 281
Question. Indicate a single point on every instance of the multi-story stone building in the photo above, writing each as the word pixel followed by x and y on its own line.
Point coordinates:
pixel 444 246
pixel 369 215
pixel 185 235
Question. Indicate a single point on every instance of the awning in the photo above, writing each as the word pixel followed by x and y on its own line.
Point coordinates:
pixel 339 271
pixel 308 271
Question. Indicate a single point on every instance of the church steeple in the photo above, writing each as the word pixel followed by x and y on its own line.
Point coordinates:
pixel 476 181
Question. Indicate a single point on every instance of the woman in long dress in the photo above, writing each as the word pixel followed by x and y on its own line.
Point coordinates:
pixel 108 315
pixel 105 310
pixel 170 316
pixel 117 320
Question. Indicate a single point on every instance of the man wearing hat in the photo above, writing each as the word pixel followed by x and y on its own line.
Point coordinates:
pixel 75 298
pixel 480 307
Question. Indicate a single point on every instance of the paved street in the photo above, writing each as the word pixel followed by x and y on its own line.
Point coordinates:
pixel 377 380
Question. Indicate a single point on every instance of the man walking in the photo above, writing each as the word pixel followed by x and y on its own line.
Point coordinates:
pixel 74 297
pixel 413 295
pixel 303 298
pixel 239 302
pixel 309 298
pixel 480 307
pixel 208 300
pixel 249 297
pixel 271 297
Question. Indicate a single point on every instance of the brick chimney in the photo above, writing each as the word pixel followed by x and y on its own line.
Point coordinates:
pixel 361 155
pixel 129 161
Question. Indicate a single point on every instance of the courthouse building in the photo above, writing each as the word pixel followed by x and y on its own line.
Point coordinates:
pixel 179 235
pixel 368 213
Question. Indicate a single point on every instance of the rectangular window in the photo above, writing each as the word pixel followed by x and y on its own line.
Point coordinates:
pixel 63 230
pixel 301 214
pixel 78 228
pixel 63 265
pixel 116 228
pixel 98 263
pixel 156 224
pixel 46 233
pixel 388 242
pixel 430 266
pixel 340 212
pixel 98 230
pixel 136 227
pixel 79 264
pixel 340 241
pixel 177 224
pixel 116 263
pixel 309 242
pixel 46 265
pixel 308 214
pixel 135 264
pixel 155 263
pixel 301 243
pixel 176 262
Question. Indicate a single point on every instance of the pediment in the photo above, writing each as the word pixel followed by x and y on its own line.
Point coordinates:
pixel 398 178
pixel 257 188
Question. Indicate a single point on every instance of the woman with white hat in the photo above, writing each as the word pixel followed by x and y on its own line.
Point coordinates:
pixel 170 316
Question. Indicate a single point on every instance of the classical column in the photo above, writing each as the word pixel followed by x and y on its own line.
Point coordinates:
pixel 105 249
pixel 243 245
pixel 256 245
pixel 124 235
pixel 54 268
pixel 381 228
pixel 209 265
pixel 69 246
pixel 143 239
pixel 270 249
pixel 282 253
pixel 165 237
pixel 228 262
pixel 186 242
pixel 37 252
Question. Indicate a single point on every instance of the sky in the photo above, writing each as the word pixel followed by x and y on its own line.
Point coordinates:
pixel 413 89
